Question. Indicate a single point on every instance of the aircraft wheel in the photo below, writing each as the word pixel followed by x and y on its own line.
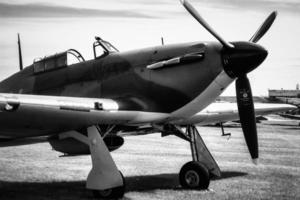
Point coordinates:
pixel 112 193
pixel 194 175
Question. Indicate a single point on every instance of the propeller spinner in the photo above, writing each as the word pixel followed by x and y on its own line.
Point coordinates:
pixel 239 58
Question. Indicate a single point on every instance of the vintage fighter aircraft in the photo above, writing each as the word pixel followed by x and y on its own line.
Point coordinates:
pixel 83 107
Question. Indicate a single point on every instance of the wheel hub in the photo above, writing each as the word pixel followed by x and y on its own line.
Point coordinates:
pixel 192 178
pixel 105 193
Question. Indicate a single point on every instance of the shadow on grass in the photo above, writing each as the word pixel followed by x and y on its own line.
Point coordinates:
pixel 165 181
pixel 293 128
pixel 284 125
pixel 76 189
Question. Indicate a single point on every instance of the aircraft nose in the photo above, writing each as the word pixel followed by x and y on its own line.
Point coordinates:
pixel 243 58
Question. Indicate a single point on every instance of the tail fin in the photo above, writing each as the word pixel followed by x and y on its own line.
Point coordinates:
pixel 20 53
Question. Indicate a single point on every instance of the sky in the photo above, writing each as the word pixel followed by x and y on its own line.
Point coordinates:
pixel 51 26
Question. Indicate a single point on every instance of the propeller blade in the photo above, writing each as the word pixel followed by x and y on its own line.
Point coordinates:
pixel 264 27
pixel 198 17
pixel 247 115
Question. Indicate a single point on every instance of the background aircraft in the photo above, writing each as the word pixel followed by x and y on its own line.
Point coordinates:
pixel 83 106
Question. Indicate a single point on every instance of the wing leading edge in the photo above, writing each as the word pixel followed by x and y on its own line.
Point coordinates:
pixel 223 112
pixel 52 114
pixel 47 114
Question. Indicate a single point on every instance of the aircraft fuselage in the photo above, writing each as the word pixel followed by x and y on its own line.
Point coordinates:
pixel 125 78
pixel 184 88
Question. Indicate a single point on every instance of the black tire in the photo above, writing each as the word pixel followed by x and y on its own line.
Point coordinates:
pixel 113 193
pixel 194 175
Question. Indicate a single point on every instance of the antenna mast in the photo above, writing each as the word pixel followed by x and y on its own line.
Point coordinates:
pixel 20 53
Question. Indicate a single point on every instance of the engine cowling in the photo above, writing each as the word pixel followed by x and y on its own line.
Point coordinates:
pixel 71 146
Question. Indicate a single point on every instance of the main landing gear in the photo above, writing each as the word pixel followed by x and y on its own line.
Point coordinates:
pixel 112 193
pixel 104 179
pixel 196 174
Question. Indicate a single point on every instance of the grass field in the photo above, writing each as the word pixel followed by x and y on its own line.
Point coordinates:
pixel 151 165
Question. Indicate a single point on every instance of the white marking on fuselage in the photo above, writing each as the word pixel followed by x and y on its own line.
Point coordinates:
pixel 208 96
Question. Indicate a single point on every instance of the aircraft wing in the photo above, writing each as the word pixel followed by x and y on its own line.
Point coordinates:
pixel 53 114
pixel 224 111
pixel 42 113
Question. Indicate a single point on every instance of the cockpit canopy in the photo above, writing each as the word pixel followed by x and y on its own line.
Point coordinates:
pixel 57 61
pixel 101 48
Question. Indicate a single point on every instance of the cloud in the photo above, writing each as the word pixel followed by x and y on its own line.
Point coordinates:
pixel 134 8
pixel 48 10
pixel 286 5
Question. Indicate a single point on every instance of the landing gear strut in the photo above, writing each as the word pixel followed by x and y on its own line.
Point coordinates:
pixel 112 193
pixel 104 179
pixel 196 174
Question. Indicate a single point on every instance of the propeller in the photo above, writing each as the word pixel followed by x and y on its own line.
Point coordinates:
pixel 240 58
pixel 201 20
pixel 264 27
pixel 247 114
